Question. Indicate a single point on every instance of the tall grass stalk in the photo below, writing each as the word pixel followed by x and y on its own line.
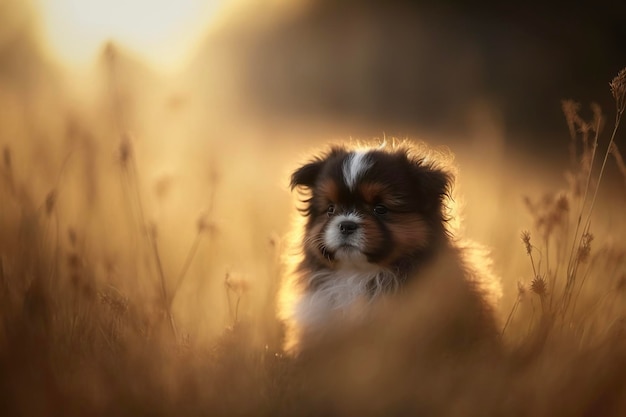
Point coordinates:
pixel 553 219
pixel 521 290
pixel 618 117
pixel 583 201
pixel 618 90
pixel 49 207
pixel 619 160
pixel 131 177
pixel 204 225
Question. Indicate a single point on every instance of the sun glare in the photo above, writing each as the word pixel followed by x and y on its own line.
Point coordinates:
pixel 163 32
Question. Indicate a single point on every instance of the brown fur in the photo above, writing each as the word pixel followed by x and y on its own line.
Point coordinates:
pixel 446 293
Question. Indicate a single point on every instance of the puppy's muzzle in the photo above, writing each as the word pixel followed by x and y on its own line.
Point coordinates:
pixel 348 227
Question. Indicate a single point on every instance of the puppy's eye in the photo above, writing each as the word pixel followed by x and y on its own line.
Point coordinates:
pixel 380 209
pixel 331 210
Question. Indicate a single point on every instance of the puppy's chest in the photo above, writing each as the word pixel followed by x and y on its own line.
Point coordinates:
pixel 339 294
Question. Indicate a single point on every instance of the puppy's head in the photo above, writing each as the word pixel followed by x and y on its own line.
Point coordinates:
pixel 371 207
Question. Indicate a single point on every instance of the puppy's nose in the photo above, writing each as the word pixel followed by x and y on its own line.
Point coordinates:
pixel 348 227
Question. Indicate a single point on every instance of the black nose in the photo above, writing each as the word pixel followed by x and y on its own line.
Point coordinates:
pixel 347 227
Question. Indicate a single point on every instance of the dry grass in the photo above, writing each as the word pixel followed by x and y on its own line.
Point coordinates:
pixel 562 260
pixel 118 298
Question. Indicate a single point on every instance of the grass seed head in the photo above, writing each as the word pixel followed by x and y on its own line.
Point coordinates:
pixel 570 110
pixel 618 90
pixel 585 247
pixel 526 240
pixel 238 285
pixel 74 261
pixel 619 160
pixel 125 149
pixel 521 290
pixel 561 207
pixel 51 200
pixel 539 286
pixel 598 119
pixel 549 213
pixel 205 225
pixel 110 53
pixel 6 157
pixel 274 241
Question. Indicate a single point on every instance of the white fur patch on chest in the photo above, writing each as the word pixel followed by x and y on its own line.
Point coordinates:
pixel 343 293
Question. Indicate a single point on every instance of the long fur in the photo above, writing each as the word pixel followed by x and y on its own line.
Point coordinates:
pixel 396 199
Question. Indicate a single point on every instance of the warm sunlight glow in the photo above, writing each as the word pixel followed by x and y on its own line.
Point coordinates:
pixel 161 31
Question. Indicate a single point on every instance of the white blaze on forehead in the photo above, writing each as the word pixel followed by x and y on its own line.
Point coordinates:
pixel 354 167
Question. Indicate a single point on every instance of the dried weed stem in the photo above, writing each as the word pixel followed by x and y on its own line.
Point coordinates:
pixel 552 214
pixel 203 226
pixel 131 177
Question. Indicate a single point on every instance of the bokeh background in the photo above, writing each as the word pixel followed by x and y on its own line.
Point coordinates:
pixel 147 145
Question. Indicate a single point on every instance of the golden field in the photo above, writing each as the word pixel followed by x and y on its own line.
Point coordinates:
pixel 142 232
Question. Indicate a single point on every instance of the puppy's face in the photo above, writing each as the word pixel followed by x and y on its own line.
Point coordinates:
pixel 370 207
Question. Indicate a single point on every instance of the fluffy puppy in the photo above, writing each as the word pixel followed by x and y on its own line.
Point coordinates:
pixel 375 225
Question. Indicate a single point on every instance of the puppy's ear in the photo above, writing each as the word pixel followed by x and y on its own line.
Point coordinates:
pixel 434 184
pixel 306 175
pixel 437 182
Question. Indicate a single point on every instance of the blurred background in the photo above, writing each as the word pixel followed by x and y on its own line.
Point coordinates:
pixel 393 67
pixel 217 101
pixel 146 148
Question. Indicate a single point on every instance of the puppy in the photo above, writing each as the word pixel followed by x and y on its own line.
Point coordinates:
pixel 376 226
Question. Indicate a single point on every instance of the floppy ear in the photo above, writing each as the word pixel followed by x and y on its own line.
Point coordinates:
pixel 434 184
pixel 306 175
pixel 437 183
